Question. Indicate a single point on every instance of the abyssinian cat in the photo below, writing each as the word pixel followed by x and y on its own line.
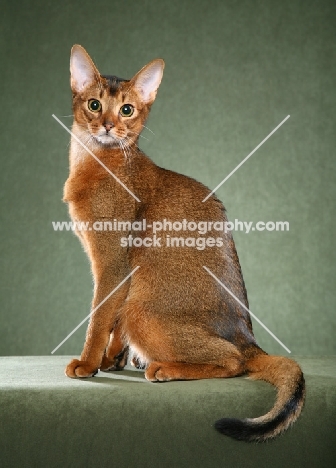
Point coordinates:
pixel 170 314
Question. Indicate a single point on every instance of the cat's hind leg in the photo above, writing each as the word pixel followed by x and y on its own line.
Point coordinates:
pixel 166 371
pixel 116 353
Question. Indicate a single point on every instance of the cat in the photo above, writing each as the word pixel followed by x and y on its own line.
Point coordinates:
pixel 176 321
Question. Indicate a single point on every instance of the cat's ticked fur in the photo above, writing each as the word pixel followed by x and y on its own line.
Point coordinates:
pixel 174 318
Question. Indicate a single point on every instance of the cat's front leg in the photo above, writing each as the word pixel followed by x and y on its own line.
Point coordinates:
pixel 97 337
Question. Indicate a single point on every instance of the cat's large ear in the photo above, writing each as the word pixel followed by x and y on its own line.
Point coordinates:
pixel 82 69
pixel 148 79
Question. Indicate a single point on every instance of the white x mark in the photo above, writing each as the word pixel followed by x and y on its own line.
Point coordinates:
pixel 244 160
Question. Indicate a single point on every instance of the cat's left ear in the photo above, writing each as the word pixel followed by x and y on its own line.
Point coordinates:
pixel 147 81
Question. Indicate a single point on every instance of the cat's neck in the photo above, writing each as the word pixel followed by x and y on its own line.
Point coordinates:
pixel 84 148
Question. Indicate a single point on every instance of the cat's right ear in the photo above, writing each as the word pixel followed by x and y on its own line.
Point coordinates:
pixel 82 69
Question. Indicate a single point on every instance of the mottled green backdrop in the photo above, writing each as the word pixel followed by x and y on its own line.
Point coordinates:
pixel 234 71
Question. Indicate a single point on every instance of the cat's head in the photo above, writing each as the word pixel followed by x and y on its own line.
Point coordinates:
pixel 108 110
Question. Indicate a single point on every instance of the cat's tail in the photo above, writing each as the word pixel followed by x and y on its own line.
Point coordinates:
pixel 286 375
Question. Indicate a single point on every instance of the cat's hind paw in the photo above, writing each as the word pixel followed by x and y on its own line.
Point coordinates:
pixel 158 372
pixel 79 370
pixel 116 364
pixel 135 362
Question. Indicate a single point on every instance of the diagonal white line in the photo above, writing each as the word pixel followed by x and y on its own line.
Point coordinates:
pixel 244 160
pixel 96 308
pixel 95 157
pixel 248 310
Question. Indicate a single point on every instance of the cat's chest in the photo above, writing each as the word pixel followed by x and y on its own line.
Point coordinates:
pixel 95 196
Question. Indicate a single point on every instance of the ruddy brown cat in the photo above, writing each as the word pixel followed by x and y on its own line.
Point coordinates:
pixel 170 314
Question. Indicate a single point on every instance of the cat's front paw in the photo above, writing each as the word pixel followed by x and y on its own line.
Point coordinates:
pixel 79 369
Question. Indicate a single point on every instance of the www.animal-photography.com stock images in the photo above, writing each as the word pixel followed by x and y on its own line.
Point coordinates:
pixel 168 263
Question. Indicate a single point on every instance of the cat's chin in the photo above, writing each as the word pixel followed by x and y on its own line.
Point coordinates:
pixel 107 140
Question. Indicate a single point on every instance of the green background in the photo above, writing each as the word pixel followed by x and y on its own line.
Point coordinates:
pixel 234 71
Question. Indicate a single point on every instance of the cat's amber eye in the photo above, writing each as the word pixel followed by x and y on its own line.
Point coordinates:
pixel 126 110
pixel 94 105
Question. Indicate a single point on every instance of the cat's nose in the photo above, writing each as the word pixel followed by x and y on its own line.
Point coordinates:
pixel 108 126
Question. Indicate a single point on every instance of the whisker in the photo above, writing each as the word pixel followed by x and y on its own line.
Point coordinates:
pixel 149 129
pixel 127 142
pixel 77 124
pixel 129 150
pixel 141 136
pixel 85 142
pixel 120 142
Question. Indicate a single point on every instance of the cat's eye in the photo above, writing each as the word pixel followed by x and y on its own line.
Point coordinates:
pixel 94 105
pixel 126 110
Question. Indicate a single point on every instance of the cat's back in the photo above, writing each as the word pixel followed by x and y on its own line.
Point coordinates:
pixel 166 192
pixel 189 234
